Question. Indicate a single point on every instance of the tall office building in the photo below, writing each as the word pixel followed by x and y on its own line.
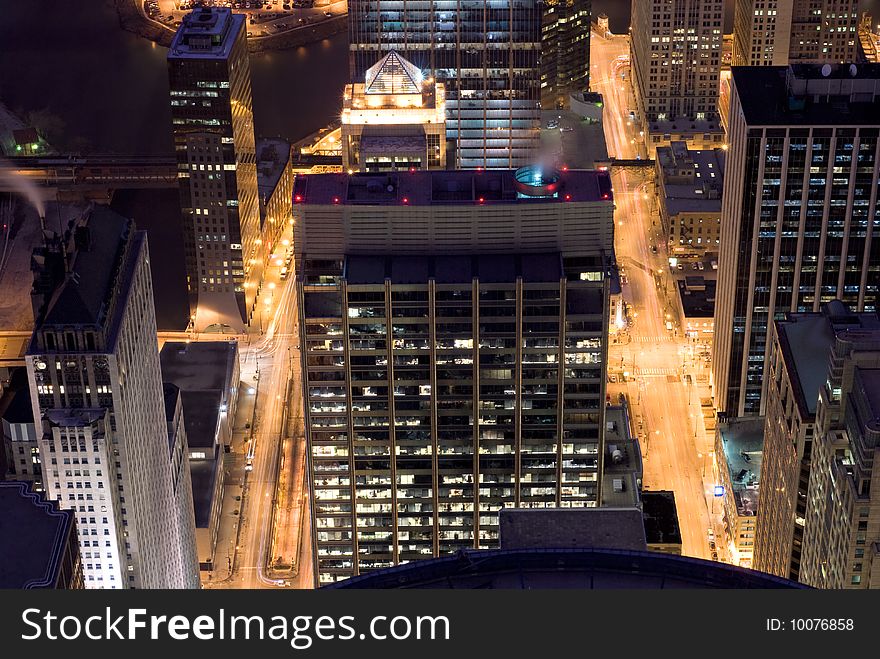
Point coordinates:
pixel 565 51
pixel 801 346
pixel 213 127
pixel 799 212
pixel 98 403
pixel 454 354
pixel 781 32
pixel 842 531
pixel 487 54
pixel 675 51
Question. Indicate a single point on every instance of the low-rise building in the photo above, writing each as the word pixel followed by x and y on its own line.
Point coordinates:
pixel 738 455
pixel 660 514
pixel 38 541
pixel 275 187
pixel 395 119
pixel 696 295
pixel 689 184
pixel 207 374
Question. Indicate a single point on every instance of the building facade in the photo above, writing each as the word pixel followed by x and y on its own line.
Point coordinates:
pixel 799 213
pixel 395 119
pixel 213 125
pixel 487 54
pixel 798 367
pixel 453 350
pixel 782 32
pixel 842 528
pixel 20 446
pixel 98 403
pixel 675 53
pixel 565 51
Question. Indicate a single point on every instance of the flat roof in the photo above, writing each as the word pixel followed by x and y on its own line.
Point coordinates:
pixel 199 365
pixel 432 187
pixel 806 340
pixel 741 438
pixel 801 95
pixel 34 534
pixel 206 33
pixel 572 528
pixel 201 413
pixel 204 475
pixel 273 155
pixel 661 517
pixel 697 303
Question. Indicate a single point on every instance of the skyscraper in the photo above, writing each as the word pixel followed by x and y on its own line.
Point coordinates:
pixel 486 53
pixel 799 212
pixel 781 32
pixel 565 51
pixel 98 402
pixel 454 355
pixel 842 526
pixel 675 53
pixel 212 119
pixel 801 346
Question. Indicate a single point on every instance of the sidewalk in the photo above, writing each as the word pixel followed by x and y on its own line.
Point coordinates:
pixel 234 475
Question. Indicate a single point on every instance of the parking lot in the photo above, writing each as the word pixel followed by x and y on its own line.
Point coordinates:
pixel 265 17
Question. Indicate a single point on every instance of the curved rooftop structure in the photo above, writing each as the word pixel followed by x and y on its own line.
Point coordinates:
pixel 564 568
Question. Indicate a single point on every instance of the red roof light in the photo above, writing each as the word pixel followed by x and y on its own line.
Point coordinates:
pixel 298 197
pixel 406 200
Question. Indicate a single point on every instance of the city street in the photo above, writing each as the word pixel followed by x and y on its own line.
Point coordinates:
pixel 270 554
pixel 651 358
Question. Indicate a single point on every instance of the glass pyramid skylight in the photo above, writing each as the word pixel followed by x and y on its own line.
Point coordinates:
pixel 393 75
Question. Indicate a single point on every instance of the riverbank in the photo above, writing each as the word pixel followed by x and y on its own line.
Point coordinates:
pixel 133 19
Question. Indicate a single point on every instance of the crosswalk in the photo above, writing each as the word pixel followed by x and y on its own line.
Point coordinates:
pixel 656 371
pixel 651 339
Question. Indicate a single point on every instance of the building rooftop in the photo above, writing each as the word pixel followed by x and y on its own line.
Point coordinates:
pixel 431 187
pixel 697 301
pixel 34 535
pixel 206 32
pixel 691 180
pixel 572 528
pixel 273 155
pixel 849 95
pixel 806 340
pixel 661 518
pixel 201 415
pixel 622 473
pixel 199 365
pixel 204 475
pixel 743 443
pixel 564 568
pixel 94 254
pixel 393 74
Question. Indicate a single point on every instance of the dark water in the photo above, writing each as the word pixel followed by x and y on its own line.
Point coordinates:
pixel 93 87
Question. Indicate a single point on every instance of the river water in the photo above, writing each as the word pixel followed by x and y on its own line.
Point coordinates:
pixel 93 87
